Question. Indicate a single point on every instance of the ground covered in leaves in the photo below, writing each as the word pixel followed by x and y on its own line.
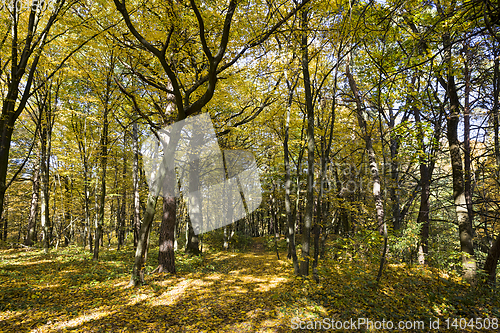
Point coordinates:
pixel 250 291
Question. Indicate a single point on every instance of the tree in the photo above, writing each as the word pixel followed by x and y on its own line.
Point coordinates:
pixel 453 118
pixel 107 105
pixel 304 263
pixel 203 87
pixel 19 76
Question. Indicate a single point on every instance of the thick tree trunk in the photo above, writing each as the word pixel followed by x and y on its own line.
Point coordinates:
pixel 193 242
pixel 6 128
pixel 166 255
pixel 490 266
pixel 464 224
pixel 491 263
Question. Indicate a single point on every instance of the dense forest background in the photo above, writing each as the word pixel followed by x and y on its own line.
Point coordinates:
pixel 374 124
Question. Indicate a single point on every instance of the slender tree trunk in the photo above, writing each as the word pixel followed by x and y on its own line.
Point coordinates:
pixel 304 264
pixel 31 232
pixel 104 161
pixel 292 253
pixel 123 209
pixel 467 152
pixel 494 111
pixel 423 214
pixel 225 245
pixel 88 231
pixel 137 277
pixel 68 236
pixel 373 166
pixel 425 181
pixel 44 172
pixel 5 220
pixel 394 189
pixel 80 131
pixel 371 153
pixel 273 218
pixel 194 206
pixel 135 176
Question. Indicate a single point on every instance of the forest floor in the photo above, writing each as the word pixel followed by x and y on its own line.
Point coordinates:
pixel 250 291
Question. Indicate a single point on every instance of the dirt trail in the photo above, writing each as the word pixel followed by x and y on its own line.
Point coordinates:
pixel 258 246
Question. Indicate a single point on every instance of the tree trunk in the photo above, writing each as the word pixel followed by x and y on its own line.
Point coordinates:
pixel 360 112
pixel 491 263
pixel 135 176
pixel 464 224
pixel 194 206
pixel 494 111
pixel 22 52
pixel 104 161
pixel 166 255
pixel 31 232
pixel 308 220
pixel 292 253
pixel 68 235
pixel 6 128
pixel 467 152
pixel 137 277
pixel 123 204
pixel 425 179
pixel 44 172
pixel 394 190
pixel 193 242
pixel 5 220
pixel 87 205
pixel 273 218
pixel 423 213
